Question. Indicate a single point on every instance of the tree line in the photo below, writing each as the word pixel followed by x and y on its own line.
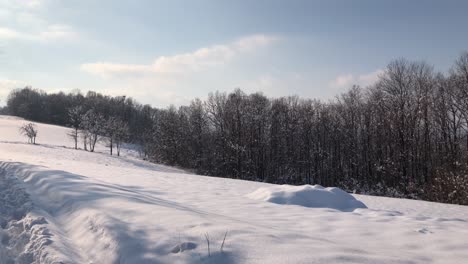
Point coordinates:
pixel 406 135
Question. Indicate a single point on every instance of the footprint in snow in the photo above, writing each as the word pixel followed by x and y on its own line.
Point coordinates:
pixel 183 247
pixel 424 231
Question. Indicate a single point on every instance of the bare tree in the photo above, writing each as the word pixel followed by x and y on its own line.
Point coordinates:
pixel 116 132
pixel 75 117
pixel 85 137
pixel 92 124
pixel 109 131
pixel 29 130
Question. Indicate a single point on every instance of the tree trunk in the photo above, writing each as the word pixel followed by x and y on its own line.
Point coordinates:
pixel 111 145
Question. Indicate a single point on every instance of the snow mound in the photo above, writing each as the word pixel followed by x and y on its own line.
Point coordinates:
pixel 308 196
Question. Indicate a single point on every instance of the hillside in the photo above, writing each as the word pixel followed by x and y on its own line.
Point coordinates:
pixel 58 204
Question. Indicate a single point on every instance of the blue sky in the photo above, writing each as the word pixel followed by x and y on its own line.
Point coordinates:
pixel 169 52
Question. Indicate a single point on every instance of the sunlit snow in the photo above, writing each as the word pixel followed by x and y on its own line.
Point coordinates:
pixel 58 204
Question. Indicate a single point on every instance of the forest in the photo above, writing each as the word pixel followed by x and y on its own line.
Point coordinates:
pixel 406 135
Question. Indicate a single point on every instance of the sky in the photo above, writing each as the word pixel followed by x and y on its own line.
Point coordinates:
pixel 170 52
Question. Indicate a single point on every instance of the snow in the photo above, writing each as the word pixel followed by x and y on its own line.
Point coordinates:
pixel 308 196
pixel 64 205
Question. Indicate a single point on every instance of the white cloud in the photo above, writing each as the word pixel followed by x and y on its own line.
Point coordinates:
pixel 197 60
pixel 370 78
pixel 175 79
pixel 25 20
pixel 6 85
pixel 21 4
pixel 109 69
pixel 343 81
pixel 51 33
pixel 10 84
pixel 31 3
pixel 57 31
pixel 7 33
pixel 348 80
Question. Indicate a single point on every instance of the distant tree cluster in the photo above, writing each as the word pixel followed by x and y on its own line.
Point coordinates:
pixel 3 110
pixel 405 136
pixel 92 118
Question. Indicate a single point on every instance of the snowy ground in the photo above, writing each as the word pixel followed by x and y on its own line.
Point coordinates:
pixel 58 204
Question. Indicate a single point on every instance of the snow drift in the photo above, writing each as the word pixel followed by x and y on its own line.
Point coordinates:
pixel 308 196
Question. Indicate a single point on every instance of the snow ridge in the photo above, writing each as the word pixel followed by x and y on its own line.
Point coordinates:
pixel 23 235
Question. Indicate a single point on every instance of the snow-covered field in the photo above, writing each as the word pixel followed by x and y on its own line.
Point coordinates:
pixel 58 204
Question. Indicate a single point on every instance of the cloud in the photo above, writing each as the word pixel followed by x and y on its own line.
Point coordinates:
pixel 10 84
pixel 25 20
pixel 57 31
pixel 21 4
pixel 342 81
pixel 347 80
pixel 370 78
pixel 176 79
pixel 31 3
pixel 109 69
pixel 51 33
pixel 197 60
pixel 7 33
pixel 6 85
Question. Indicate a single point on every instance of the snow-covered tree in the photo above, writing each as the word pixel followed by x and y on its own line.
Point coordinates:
pixel 75 116
pixel 92 124
pixel 116 132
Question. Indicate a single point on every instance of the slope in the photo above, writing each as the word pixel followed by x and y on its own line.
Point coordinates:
pixel 81 207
